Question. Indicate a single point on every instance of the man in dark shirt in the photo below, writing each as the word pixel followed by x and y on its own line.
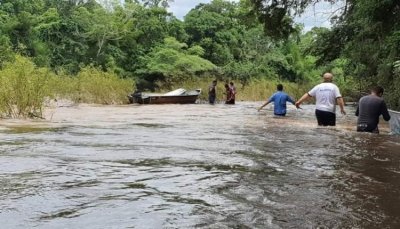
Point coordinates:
pixel 212 92
pixel 369 109
pixel 233 94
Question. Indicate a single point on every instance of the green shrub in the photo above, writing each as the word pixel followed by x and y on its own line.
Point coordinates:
pixel 23 88
pixel 93 85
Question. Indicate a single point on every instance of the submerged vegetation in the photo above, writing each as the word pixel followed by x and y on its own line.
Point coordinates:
pixel 25 87
pixel 92 85
pixel 99 51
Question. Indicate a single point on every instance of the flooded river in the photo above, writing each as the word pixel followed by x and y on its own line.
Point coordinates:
pixel 195 166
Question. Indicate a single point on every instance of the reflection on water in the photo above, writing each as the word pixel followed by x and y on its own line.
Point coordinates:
pixel 185 166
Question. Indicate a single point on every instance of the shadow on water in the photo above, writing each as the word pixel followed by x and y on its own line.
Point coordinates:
pixel 151 125
pixel 32 129
pixel 66 213
pixel 197 166
pixel 135 185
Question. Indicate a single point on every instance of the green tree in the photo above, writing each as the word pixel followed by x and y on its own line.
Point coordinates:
pixel 368 35
pixel 171 63
pixel 6 53
pixel 18 18
pixel 215 28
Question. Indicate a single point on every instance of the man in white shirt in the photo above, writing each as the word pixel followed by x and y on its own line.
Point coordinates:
pixel 326 95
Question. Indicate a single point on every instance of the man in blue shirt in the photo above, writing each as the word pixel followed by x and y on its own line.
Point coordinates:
pixel 279 98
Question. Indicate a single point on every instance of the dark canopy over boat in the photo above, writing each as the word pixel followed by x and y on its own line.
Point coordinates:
pixel 179 96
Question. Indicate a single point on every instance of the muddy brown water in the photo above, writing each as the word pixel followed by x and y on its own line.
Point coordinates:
pixel 195 166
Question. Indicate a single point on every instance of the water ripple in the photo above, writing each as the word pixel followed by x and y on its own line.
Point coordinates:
pixel 196 166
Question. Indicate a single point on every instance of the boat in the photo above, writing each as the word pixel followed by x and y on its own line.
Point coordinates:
pixel 394 121
pixel 178 96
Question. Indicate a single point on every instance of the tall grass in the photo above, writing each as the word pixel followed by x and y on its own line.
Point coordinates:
pixel 25 87
pixel 261 89
pixel 256 90
pixel 93 85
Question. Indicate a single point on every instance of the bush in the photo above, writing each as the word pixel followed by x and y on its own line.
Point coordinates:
pixel 92 85
pixel 23 88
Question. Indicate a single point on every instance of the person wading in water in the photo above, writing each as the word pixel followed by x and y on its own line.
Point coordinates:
pixel 326 95
pixel 279 99
pixel 369 109
pixel 233 93
pixel 229 92
pixel 212 92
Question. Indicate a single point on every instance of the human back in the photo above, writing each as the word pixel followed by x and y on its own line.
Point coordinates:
pixel 325 94
pixel 369 109
pixel 279 99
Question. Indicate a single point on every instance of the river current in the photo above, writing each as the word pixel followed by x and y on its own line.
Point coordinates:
pixel 196 166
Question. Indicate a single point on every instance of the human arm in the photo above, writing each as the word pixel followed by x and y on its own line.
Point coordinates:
pixel 265 104
pixel 358 110
pixel 340 101
pixel 289 99
pixel 272 98
pixel 302 99
pixel 385 112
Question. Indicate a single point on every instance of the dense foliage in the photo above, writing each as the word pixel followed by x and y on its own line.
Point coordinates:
pixel 141 40
pixel 365 39
pixel 25 88
pixel 244 41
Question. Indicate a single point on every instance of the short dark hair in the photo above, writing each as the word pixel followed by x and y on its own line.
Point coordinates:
pixel 279 87
pixel 378 90
pixel 231 83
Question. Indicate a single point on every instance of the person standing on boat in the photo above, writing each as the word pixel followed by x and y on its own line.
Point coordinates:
pixel 233 93
pixel 279 99
pixel 369 108
pixel 212 92
pixel 326 95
